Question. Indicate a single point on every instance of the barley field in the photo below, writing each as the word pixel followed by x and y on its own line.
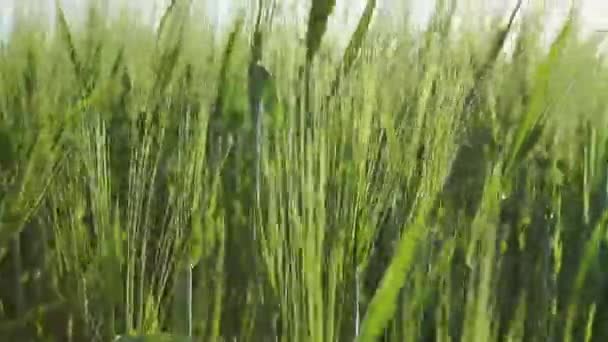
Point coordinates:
pixel 172 184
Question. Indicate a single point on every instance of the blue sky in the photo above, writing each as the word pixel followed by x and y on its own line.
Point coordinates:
pixel 595 12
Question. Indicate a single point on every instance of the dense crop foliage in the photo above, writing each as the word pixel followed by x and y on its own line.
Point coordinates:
pixel 434 186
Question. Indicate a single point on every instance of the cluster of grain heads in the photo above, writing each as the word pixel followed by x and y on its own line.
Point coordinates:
pixel 154 189
pixel 33 152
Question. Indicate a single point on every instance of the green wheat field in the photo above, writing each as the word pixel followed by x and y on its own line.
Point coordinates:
pixel 170 184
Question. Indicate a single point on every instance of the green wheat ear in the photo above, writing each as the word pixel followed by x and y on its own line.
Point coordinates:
pixel 66 35
pixel 317 25
pixel 354 46
pixel 532 123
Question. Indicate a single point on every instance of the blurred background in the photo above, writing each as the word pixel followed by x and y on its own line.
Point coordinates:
pixel 220 13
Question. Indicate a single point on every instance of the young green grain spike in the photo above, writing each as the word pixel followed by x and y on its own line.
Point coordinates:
pixel 354 46
pixel 486 68
pixel 64 30
pixel 317 25
pixel 533 118
pixel 258 77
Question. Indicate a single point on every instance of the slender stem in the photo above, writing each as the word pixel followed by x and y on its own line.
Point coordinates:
pixel 357 304
pixel 258 146
pixel 18 268
pixel 189 301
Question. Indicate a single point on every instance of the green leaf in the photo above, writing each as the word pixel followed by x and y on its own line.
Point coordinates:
pixel 384 303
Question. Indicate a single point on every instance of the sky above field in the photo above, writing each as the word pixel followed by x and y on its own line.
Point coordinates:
pixel 594 12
